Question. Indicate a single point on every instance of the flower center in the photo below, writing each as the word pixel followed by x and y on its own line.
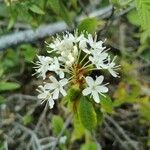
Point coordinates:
pixel 78 74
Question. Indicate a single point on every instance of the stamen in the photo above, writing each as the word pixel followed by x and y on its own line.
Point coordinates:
pixel 84 58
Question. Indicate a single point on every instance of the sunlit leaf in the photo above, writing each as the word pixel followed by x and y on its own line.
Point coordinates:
pixel 78 130
pixel 27 119
pixel 89 146
pixel 88 24
pixel 87 113
pixel 106 104
pixel 5 86
pixel 57 124
pixel 36 9
pixel 2 100
pixel 133 17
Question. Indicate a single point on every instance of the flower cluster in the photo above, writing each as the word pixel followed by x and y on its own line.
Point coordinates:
pixel 74 58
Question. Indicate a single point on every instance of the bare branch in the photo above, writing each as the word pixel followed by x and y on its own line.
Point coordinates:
pixel 119 128
pixel 31 35
pixel 119 140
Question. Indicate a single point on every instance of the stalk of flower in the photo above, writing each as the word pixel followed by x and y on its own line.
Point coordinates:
pixel 75 56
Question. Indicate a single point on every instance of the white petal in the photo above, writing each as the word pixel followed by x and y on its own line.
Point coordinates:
pixel 51 103
pixel 56 94
pixel 53 79
pixel 63 92
pixel 61 74
pixel 50 86
pixel 99 80
pixel 95 96
pixel 42 95
pixel 102 89
pixel 63 82
pixel 86 91
pixel 112 72
pixel 89 80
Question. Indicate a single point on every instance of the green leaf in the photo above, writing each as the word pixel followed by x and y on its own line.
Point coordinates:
pixel 133 17
pixel 36 9
pixel 99 115
pixel 60 9
pixel 11 60
pixel 143 8
pixel 78 130
pixel 1 70
pixel 146 55
pixel 55 6
pixel 74 3
pixel 106 104
pixel 57 124
pixel 144 38
pixel 11 23
pixel 29 52
pixel 123 95
pixel 89 146
pixel 2 100
pixel 73 93
pixel 88 24
pixel 4 86
pixel 87 113
pixel 27 119
pixel 116 3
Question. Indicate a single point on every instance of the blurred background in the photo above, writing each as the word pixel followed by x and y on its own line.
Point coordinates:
pixel 25 25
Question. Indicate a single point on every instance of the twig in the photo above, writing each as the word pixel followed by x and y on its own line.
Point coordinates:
pixel 119 128
pixel 97 143
pixel 21 96
pixel 45 30
pixel 39 123
pixel 31 35
pixel 41 118
pixel 116 136
pixel 33 135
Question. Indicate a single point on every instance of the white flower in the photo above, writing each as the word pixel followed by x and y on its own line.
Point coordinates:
pixel 43 65
pixel 63 139
pixel 45 95
pixel 69 57
pixel 83 46
pixel 55 45
pixel 57 86
pixel 94 44
pixel 74 38
pixel 111 67
pixel 95 88
pixel 55 66
pixel 98 59
pixel 74 57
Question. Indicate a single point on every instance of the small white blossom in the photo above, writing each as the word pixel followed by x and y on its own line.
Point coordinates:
pixel 63 139
pixel 95 45
pixel 74 57
pixel 73 38
pixel 98 59
pixel 45 95
pixel 69 56
pixel 43 65
pixel 55 45
pixel 57 86
pixel 83 46
pixel 111 66
pixel 95 88
pixel 55 66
